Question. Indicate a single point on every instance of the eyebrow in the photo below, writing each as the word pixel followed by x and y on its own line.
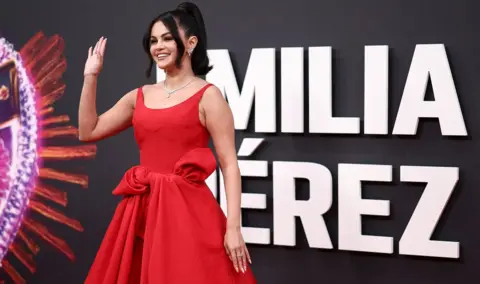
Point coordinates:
pixel 167 33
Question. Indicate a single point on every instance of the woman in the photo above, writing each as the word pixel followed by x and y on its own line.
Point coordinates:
pixel 168 228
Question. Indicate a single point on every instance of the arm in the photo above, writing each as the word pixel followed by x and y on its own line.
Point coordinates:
pixel 219 122
pixel 93 127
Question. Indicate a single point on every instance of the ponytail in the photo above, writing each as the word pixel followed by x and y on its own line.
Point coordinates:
pixel 200 61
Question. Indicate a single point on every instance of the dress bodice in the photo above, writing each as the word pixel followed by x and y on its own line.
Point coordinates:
pixel 164 135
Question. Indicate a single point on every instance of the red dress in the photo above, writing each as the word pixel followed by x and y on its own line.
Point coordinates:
pixel 168 228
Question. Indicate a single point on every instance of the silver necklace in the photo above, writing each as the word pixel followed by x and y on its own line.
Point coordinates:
pixel 170 92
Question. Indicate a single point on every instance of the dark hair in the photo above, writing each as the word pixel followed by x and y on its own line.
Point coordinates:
pixel 189 18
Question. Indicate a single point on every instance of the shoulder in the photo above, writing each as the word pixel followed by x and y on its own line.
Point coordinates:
pixel 146 88
pixel 131 96
pixel 212 93
pixel 213 101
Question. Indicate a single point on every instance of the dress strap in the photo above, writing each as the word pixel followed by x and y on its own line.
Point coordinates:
pixel 199 93
pixel 139 101
pixel 203 89
pixel 193 103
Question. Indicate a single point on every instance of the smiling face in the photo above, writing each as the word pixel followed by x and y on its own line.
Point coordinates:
pixel 164 49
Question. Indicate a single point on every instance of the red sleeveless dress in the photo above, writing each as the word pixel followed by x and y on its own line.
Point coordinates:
pixel 168 228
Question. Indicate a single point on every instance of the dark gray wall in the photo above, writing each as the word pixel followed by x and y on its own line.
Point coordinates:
pixel 239 26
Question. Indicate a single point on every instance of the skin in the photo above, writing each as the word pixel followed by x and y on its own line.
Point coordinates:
pixel 214 113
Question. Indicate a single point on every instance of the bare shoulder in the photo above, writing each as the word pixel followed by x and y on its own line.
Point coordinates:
pixel 130 97
pixel 213 95
pixel 215 106
pixel 147 88
pixel 132 93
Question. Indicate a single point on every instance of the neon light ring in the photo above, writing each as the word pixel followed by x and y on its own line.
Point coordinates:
pixel 18 141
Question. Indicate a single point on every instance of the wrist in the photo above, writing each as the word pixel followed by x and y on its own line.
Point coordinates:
pixel 233 225
pixel 90 75
pixel 234 230
pixel 90 79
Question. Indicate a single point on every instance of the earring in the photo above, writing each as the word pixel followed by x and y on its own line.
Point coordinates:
pixel 190 51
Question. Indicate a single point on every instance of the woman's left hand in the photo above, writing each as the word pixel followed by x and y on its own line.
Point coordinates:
pixel 236 249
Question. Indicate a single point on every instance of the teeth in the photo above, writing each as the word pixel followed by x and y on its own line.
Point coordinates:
pixel 162 55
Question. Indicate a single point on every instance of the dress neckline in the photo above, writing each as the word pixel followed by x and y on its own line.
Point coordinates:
pixel 142 99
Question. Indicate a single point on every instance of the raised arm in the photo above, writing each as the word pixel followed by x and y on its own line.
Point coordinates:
pixel 93 127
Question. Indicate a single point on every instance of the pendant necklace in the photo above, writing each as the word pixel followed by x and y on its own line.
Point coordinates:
pixel 170 92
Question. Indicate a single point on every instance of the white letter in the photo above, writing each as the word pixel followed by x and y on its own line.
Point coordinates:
pixel 430 60
pixel 292 90
pixel 259 83
pixel 320 96
pixel 250 200
pixel 415 240
pixel 285 207
pixel 351 207
pixel 211 182
pixel 376 89
pixel 160 75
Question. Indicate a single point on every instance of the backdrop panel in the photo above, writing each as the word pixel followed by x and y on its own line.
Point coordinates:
pixel 357 134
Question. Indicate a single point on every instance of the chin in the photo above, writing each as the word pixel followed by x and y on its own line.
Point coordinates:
pixel 165 65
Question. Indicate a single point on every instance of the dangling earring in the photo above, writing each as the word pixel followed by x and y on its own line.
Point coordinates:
pixel 190 52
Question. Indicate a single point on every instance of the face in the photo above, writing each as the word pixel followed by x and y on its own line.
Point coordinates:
pixel 163 48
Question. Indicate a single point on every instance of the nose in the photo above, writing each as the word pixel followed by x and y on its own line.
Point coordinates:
pixel 159 45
